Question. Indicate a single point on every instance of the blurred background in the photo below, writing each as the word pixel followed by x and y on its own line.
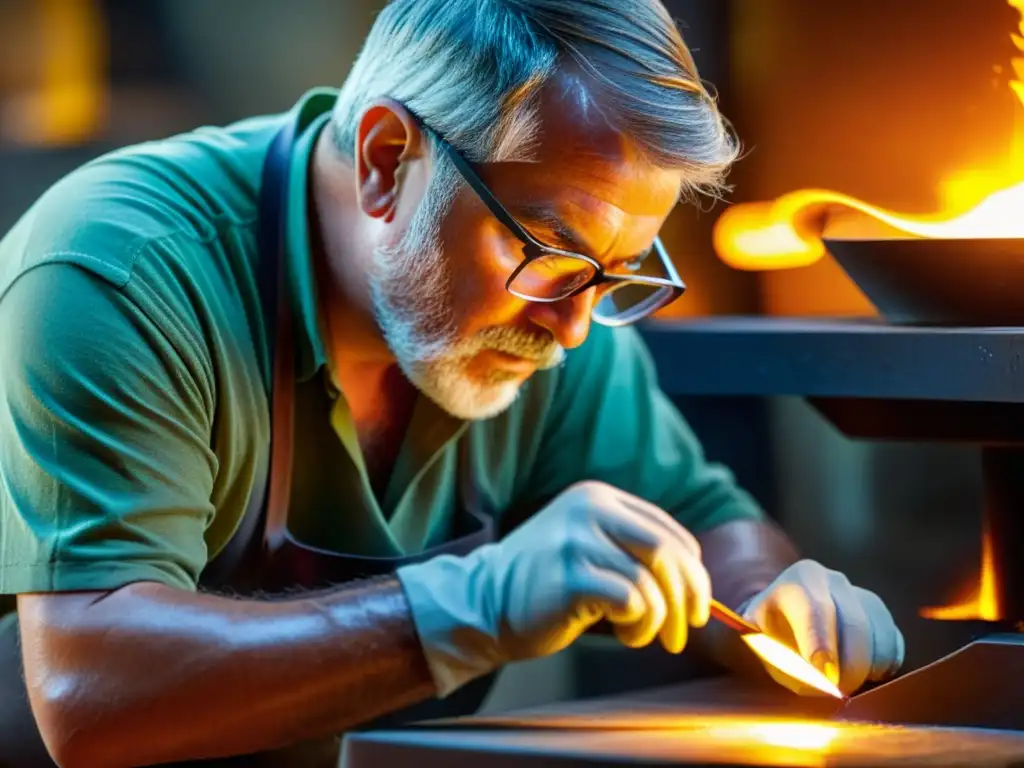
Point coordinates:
pixel 876 98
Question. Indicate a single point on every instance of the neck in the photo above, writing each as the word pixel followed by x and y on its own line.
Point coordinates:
pixel 342 259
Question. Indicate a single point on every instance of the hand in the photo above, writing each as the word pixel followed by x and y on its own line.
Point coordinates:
pixel 845 631
pixel 595 552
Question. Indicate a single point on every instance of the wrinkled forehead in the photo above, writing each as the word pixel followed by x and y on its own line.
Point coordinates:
pixel 583 167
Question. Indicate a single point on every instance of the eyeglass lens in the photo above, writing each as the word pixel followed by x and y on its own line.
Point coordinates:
pixel 552 277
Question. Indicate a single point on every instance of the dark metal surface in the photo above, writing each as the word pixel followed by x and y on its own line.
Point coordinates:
pixel 977 686
pixel 937 421
pixel 914 280
pixel 713 743
pixel 837 359
pixel 711 723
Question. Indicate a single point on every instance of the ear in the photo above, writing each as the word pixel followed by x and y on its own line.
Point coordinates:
pixel 388 137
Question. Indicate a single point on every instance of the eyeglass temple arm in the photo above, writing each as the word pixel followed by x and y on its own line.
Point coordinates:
pixel 500 211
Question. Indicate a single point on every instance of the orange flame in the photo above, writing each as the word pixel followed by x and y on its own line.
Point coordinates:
pixel 981 601
pixel 787 232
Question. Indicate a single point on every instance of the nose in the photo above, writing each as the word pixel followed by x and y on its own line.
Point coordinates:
pixel 568 321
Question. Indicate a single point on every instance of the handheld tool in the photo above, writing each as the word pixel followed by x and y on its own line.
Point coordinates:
pixel 773 652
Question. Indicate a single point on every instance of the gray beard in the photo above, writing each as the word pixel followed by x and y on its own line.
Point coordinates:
pixel 411 291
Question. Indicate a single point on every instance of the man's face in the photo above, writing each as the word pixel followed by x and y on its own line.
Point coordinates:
pixel 438 283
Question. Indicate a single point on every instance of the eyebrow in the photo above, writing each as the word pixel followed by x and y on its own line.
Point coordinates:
pixel 568 238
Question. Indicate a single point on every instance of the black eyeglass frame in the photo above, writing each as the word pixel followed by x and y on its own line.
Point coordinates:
pixel 534 249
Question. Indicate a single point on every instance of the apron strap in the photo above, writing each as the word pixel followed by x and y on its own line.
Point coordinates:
pixel 245 550
pixel 276 303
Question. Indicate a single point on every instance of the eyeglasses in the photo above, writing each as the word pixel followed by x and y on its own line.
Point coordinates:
pixel 549 274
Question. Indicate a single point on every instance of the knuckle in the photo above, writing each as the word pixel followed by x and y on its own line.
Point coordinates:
pixel 587 494
pixel 660 554
pixel 790 594
pixel 694 543
pixel 806 566
pixel 873 605
pixel 572 546
pixel 588 488
pixel 839 581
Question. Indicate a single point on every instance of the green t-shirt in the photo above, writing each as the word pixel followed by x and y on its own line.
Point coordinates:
pixel 134 376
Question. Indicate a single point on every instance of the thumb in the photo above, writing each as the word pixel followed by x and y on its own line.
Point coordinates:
pixel 806 608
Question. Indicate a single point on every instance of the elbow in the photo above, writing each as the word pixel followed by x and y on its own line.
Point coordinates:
pixel 78 705
pixel 73 735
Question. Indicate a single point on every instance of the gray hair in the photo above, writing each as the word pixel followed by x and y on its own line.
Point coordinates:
pixel 473 69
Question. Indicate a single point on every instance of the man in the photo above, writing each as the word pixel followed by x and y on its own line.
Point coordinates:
pixel 491 178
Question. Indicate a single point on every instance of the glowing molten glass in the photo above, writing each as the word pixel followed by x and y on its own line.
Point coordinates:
pixel 789 662
pixel 796 735
pixel 787 232
pixel 980 602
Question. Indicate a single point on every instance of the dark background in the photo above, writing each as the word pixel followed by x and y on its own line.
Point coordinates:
pixel 879 99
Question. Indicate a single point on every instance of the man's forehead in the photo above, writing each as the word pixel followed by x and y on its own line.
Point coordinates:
pixel 587 183
pixel 580 153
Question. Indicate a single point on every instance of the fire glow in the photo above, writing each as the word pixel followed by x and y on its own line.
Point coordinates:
pixel 976 204
pixel 787 232
pixel 981 602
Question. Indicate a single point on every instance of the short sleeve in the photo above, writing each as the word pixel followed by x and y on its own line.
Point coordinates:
pixel 610 421
pixel 106 468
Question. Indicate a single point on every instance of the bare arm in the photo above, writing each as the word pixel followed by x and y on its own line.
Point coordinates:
pixel 148 673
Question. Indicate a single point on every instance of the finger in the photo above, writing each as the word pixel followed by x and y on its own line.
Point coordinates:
pixel 660 518
pixel 887 640
pixel 900 653
pixel 606 592
pixel 766 614
pixel 641 633
pixel 697 581
pixel 856 646
pixel 688 554
pixel 659 600
pixel 661 556
pixel 805 604
pixel 674 632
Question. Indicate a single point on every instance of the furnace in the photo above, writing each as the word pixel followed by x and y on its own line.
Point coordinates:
pixel 945 284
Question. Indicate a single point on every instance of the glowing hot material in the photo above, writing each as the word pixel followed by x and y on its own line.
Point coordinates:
pixel 789 662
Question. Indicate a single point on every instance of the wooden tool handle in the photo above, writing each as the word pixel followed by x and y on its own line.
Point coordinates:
pixel 732 619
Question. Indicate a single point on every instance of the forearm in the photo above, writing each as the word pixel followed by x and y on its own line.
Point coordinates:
pixel 743 557
pixel 151 674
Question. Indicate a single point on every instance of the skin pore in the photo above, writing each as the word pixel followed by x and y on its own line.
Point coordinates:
pixel 412 275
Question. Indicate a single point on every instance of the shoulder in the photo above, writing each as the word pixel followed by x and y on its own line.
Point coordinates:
pixel 166 224
pixel 177 193
pixel 70 335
